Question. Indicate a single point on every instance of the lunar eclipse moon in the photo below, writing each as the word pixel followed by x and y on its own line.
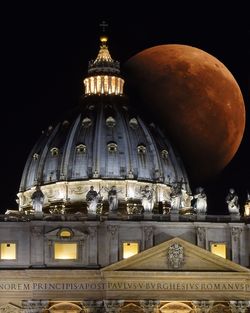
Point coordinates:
pixel 195 99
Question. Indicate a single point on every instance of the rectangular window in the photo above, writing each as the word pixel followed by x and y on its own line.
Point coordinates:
pixel 129 249
pixel 65 251
pixel 8 251
pixel 219 249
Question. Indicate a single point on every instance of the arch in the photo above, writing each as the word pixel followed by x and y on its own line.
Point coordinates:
pixel 131 308
pixel 220 308
pixel 176 307
pixel 64 307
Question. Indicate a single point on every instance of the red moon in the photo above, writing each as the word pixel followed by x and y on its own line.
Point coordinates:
pixel 196 99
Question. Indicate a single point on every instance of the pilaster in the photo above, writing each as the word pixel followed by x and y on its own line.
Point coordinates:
pixel 235 243
pixel 239 306
pixel 201 237
pixel 113 306
pixel 34 306
pixel 94 306
pixel 148 236
pixel 203 306
pixel 149 306
pixel 113 243
pixel 37 246
pixel 93 245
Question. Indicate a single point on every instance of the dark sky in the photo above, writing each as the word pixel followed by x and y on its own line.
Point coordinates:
pixel 45 50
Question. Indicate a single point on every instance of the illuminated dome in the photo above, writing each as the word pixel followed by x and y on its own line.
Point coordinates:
pixel 106 144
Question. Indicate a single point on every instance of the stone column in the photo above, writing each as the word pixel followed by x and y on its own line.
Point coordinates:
pixel 93 306
pixel 201 237
pixel 203 306
pixel 93 246
pixel 113 243
pixel 113 306
pixel 148 237
pixel 235 240
pixel 34 306
pixel 37 246
pixel 239 306
pixel 149 306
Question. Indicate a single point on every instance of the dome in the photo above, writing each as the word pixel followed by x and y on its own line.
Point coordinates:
pixel 106 144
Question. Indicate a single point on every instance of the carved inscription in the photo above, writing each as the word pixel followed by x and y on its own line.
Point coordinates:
pixel 124 285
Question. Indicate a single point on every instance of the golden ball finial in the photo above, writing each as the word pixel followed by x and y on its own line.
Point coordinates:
pixel 103 39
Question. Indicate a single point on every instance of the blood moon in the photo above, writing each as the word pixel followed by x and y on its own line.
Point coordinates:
pixel 196 99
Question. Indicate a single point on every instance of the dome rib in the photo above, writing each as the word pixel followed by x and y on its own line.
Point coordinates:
pixel 69 149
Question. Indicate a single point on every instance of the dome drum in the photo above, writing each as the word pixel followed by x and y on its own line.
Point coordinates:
pixel 71 197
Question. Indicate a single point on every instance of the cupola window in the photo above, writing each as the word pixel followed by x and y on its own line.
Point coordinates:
pixel 164 154
pixel 54 152
pixel 110 121
pixel 112 147
pixel 86 122
pixel 35 156
pixel 65 123
pixel 141 149
pixel 91 107
pixel 133 123
pixel 81 148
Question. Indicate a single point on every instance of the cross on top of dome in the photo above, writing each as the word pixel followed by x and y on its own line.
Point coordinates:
pixel 104 64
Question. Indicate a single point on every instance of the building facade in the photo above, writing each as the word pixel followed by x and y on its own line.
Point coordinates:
pixel 107 221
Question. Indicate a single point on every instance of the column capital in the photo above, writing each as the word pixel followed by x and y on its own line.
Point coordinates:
pixel 93 306
pixel 236 231
pixel 112 229
pixel 239 306
pixel 113 306
pixel 34 306
pixel 149 306
pixel 203 306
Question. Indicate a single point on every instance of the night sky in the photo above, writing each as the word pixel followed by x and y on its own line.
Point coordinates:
pixel 44 57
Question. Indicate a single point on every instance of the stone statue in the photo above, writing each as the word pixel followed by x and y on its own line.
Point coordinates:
pixel 200 205
pixel 92 198
pixel 247 205
pixel 37 200
pixel 232 202
pixel 176 197
pixel 113 199
pixel 147 199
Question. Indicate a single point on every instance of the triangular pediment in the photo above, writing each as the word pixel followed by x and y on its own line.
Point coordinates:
pixel 73 233
pixel 176 255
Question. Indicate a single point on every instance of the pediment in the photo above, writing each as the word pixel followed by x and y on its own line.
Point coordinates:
pixel 176 255
pixel 10 308
pixel 76 234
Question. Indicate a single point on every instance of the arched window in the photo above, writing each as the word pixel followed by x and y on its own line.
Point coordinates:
pixel 65 233
pixel 81 148
pixel 164 154
pixel 133 123
pixel 112 147
pixel 35 156
pixel 110 121
pixel 54 151
pixel 141 149
pixel 86 122
pixel 65 123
